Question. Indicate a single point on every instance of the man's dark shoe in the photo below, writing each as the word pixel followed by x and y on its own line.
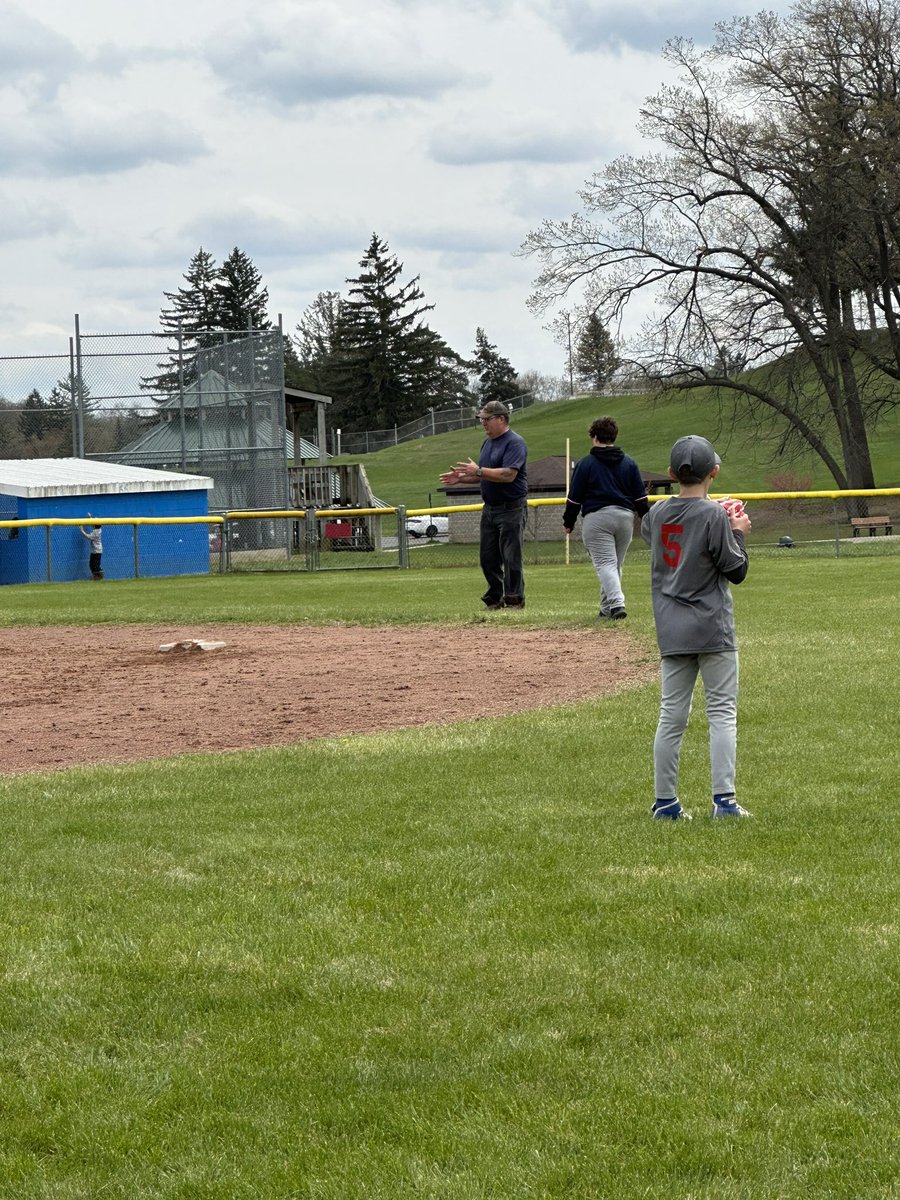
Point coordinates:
pixel 515 601
pixel 491 605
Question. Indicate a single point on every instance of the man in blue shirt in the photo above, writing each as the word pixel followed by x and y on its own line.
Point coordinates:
pixel 501 472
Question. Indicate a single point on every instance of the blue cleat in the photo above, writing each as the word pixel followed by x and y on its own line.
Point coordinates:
pixel 669 810
pixel 727 806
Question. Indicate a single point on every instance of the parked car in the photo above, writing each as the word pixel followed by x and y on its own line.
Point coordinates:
pixel 428 526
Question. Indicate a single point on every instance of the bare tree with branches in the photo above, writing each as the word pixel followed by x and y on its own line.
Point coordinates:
pixel 768 226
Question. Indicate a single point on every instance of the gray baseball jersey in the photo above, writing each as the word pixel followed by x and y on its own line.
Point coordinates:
pixel 693 554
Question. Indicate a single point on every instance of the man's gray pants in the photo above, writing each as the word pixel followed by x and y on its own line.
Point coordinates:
pixel 678 674
pixel 607 534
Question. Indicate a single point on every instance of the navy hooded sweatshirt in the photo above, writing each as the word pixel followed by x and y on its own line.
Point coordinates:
pixel 605 478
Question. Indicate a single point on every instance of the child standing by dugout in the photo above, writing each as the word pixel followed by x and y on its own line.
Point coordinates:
pixel 697 549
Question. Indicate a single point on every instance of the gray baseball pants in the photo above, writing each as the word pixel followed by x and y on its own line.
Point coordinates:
pixel 678 674
pixel 607 534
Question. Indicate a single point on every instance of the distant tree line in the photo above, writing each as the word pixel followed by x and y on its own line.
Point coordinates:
pixel 42 426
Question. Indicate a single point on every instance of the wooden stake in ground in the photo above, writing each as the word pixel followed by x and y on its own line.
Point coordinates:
pixel 568 468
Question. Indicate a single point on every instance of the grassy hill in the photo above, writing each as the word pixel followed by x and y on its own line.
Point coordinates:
pixel 408 473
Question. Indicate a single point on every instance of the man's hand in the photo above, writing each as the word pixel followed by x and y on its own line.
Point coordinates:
pixel 462 472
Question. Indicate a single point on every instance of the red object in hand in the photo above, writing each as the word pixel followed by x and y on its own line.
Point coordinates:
pixel 734 508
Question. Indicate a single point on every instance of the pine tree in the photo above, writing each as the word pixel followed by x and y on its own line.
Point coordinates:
pixel 195 307
pixel 293 368
pixel 45 425
pixel 497 380
pixel 595 355
pixel 216 303
pixel 391 365
pixel 193 311
pixel 241 298
pixel 318 344
pixel 32 424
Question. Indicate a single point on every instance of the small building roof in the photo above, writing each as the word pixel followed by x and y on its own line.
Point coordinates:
pixel 33 478
pixel 162 442
pixel 209 390
pixel 298 396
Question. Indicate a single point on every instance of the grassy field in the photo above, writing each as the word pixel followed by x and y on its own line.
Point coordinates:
pixel 408 473
pixel 461 963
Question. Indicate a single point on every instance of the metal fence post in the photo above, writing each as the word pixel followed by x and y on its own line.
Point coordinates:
pixel 78 387
pixel 182 425
pixel 74 405
pixel 837 531
pixel 49 558
pixel 137 569
pixel 312 540
pixel 402 537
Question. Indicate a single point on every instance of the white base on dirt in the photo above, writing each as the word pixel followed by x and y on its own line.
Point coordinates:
pixel 191 645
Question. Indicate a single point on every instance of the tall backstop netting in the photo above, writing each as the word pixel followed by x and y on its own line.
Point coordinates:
pixel 208 402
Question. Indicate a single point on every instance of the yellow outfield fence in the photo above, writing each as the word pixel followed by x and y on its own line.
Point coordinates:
pixel 809 522
pixel 856 523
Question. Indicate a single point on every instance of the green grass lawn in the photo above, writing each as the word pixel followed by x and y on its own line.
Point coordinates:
pixel 408 473
pixel 461 963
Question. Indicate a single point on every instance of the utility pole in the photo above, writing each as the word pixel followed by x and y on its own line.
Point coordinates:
pixel 568 317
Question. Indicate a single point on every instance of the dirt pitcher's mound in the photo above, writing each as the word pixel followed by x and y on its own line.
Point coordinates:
pixel 107 694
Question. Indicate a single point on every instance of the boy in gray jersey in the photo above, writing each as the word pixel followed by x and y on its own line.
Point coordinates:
pixel 696 550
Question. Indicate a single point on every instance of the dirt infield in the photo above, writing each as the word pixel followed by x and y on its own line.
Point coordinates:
pixel 107 694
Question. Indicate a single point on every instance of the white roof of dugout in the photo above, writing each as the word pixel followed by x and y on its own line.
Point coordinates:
pixel 33 478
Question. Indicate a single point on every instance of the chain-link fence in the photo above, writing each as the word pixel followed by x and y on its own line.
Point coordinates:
pixel 205 403
pixel 811 525
pixel 435 421
pixel 211 403
pixel 37 410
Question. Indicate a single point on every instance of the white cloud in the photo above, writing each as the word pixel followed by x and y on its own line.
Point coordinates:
pixel 590 25
pixel 461 242
pixel 322 52
pixel 53 143
pixel 33 55
pixel 34 217
pixel 520 139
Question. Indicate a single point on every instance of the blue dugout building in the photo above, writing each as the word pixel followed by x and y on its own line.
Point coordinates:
pixel 46 488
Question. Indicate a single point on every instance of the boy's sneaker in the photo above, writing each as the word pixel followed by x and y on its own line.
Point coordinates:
pixel 728 807
pixel 669 810
pixel 618 614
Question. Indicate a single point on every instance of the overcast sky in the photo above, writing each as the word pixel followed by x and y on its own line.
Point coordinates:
pixel 130 135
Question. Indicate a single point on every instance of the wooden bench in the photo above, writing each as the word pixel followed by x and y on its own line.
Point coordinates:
pixel 873 524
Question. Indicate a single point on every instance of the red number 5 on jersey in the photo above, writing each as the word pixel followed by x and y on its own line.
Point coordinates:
pixel 671 544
